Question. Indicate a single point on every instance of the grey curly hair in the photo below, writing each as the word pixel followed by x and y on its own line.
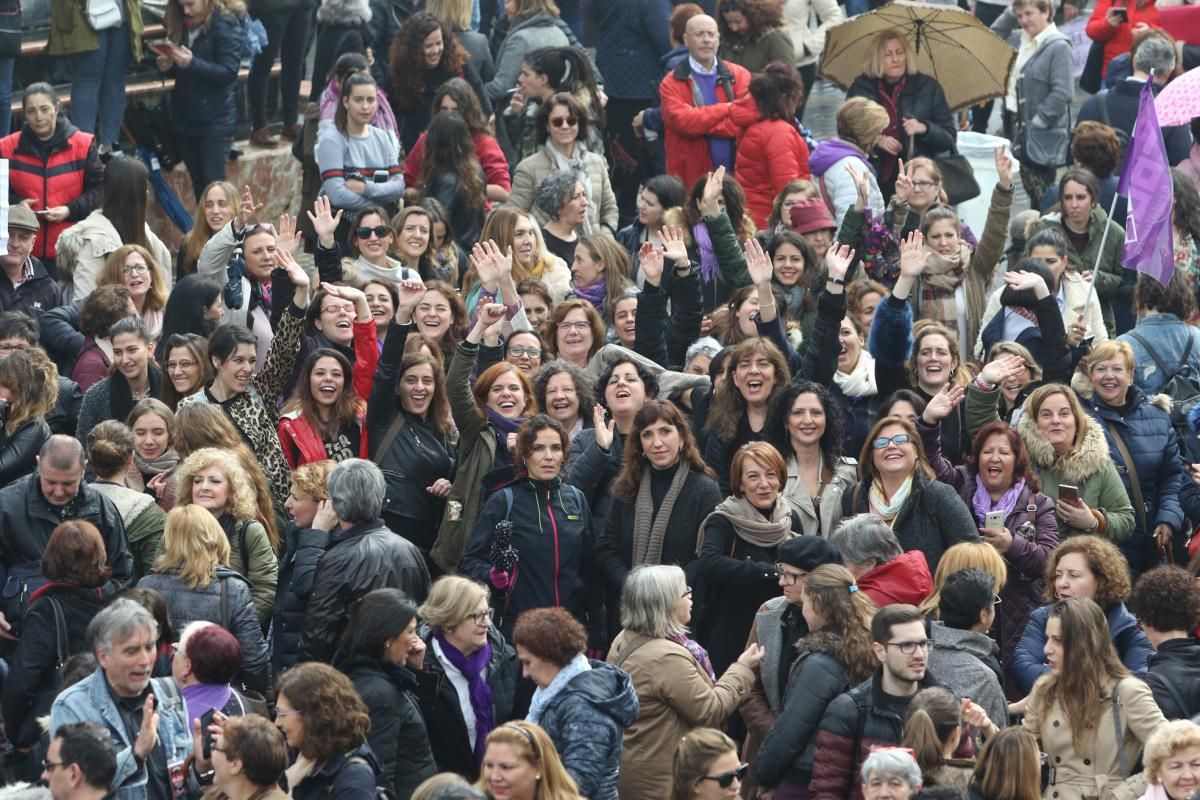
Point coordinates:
pixel 555 190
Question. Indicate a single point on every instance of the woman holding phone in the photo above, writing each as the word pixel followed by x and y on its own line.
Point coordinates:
pixel 1113 22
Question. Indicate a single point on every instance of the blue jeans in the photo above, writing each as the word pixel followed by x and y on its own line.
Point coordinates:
pixel 855 7
pixel 98 85
pixel 6 72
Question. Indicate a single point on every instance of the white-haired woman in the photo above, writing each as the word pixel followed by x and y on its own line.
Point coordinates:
pixel 891 773
pixel 672 674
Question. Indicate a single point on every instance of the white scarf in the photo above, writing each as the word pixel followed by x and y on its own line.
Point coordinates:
pixel 860 382
pixel 577 164
pixel 543 696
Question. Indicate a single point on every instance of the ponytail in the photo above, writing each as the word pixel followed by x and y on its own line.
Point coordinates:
pixel 933 716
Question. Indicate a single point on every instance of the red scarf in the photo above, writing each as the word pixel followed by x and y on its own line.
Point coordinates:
pixel 889 98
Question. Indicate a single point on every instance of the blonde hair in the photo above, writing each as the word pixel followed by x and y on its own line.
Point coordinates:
pixel 693 755
pixel 111 275
pixel 879 46
pixel 965 555
pixel 532 744
pixel 1033 407
pixel 1169 739
pixel 1107 351
pixel 860 121
pixel 456 14
pixel 193 544
pixel 451 599
pixel 312 479
pixel 241 490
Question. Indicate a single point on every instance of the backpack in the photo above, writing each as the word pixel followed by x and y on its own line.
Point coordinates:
pixel 1180 385
pixel 1122 135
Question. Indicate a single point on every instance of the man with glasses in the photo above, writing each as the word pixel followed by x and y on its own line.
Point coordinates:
pixel 80 762
pixel 19 331
pixel 873 712
pixel 965 659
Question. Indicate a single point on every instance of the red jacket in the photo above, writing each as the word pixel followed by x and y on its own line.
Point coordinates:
pixel 688 126
pixel 771 153
pixel 487 150
pixel 904 579
pixel 1118 40
pixel 71 176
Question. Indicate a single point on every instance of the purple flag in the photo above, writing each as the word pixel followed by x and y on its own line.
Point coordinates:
pixel 1146 182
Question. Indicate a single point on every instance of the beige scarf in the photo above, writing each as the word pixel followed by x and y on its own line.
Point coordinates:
pixel 750 524
pixel 939 281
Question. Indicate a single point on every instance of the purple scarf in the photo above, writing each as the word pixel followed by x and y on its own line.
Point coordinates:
pixel 698 652
pixel 474 668
pixel 708 256
pixel 595 294
pixel 200 698
pixel 504 425
pixel 982 501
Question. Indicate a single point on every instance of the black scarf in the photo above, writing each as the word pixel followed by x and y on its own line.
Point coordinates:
pixel 120 397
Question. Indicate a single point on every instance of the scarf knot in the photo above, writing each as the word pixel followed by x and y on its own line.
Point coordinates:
pixel 981 501
pixel 474 669
pixel 888 508
pixel 595 294
pixel 860 381
pixel 698 652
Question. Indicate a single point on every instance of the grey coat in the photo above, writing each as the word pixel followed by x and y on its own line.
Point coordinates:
pixel 960 659
pixel 1045 85
pixel 524 37
pixel 185 605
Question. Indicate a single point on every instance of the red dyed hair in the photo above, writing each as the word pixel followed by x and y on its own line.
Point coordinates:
pixel 1021 467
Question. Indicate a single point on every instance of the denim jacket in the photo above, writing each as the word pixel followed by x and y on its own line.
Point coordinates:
pixel 91 701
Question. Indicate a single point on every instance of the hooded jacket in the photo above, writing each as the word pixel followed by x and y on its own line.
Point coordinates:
pixel 1173 674
pixel 968 663
pixel 1029 660
pixel 586 720
pixel 552 534
pixel 771 153
pixel 1087 466
pixel 904 579
pixel 828 164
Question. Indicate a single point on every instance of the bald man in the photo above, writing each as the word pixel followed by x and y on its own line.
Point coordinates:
pixel 696 98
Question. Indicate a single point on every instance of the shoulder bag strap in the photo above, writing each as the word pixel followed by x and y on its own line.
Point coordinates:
pixel 508 503
pixel 62 648
pixel 224 602
pixel 1116 715
pixel 1158 362
pixel 242 547
pixel 645 640
pixel 389 436
pixel 1135 485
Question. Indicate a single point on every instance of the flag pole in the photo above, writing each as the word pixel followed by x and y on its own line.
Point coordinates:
pixel 1112 207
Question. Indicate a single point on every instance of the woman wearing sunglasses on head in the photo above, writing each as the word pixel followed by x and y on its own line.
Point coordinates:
pixel 707 767
pixel 897 485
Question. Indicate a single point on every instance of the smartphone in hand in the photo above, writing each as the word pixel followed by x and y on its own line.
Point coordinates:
pixel 1068 493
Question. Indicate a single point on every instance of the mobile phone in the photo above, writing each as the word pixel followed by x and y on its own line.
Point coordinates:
pixel 164 47
pixel 1120 12
pixel 205 721
pixel 1086 343
pixel 41 212
pixel 994 520
pixel 1068 493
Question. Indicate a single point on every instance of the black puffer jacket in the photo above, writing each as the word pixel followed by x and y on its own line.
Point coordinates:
pixel 816 678
pixel 360 558
pixel 32 673
pixel 1173 676
pixel 204 101
pixel 551 532
pixel 303 548
pixel 18 453
pixel 398 734
pixel 62 417
pixel 440 703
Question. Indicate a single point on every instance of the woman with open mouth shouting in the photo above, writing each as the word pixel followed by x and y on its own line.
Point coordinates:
pixel 409 435
pixel 487 416
pixel 897 484
pixel 551 530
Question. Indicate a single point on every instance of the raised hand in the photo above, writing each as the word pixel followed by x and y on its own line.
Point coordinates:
pixel 604 430
pixel 353 295
pixel 838 260
pixel 1004 167
pixel 288 236
pixel 650 262
pixel 709 206
pixel 942 403
pixel 1001 369
pixel 862 187
pixel 758 263
pixel 1022 281
pixel 247 209
pixel 904 182
pixel 324 222
pixel 674 245
pixel 148 732
pixel 912 255
pixel 490 314
pixel 296 274
pixel 485 266
pixel 501 259
pixel 410 293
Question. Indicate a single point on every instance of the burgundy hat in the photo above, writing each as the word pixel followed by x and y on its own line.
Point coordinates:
pixel 811 215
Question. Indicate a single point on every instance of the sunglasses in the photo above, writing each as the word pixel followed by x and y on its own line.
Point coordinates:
pixel 884 441
pixel 726 779
pixel 380 231
pixel 564 122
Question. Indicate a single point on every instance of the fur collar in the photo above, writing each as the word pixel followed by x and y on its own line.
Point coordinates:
pixel 821 642
pixel 1076 466
pixel 344 13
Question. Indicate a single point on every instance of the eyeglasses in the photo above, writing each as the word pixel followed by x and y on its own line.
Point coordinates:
pixel 380 232
pixel 9 349
pixel 923 185
pixel 726 779
pixel 564 122
pixel 50 766
pixel 183 363
pixel 884 441
pixel 908 648
pixel 996 600
pixel 482 618
pixel 130 269
pixel 789 577
pixel 574 326
pixel 528 352
pixel 687 593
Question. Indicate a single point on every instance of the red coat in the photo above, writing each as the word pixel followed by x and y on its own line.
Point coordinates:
pixel 904 579
pixel 771 153
pixel 487 150
pixel 688 126
pixel 1118 40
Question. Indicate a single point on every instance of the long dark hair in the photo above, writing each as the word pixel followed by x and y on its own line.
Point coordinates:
pixel 467 101
pixel 377 618
pixel 406 58
pixel 567 69
pixel 625 487
pixel 184 313
pixel 123 199
pixel 345 410
pixel 348 85
pixel 449 148
pixel 776 430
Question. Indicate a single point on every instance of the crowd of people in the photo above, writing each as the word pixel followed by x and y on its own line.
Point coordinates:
pixel 591 430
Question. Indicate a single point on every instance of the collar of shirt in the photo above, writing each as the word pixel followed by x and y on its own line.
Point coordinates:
pixel 26 273
pixel 1034 42
pixel 696 68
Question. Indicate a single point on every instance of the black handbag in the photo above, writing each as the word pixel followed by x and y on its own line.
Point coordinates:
pixel 1093 69
pixel 1043 147
pixel 958 178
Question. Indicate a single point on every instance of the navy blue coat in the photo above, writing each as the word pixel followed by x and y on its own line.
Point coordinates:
pixel 586 720
pixel 204 101
pixel 1154 446
pixel 1029 658
pixel 632 35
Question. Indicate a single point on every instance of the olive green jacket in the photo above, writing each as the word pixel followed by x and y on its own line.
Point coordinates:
pixel 1112 275
pixel 70 32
